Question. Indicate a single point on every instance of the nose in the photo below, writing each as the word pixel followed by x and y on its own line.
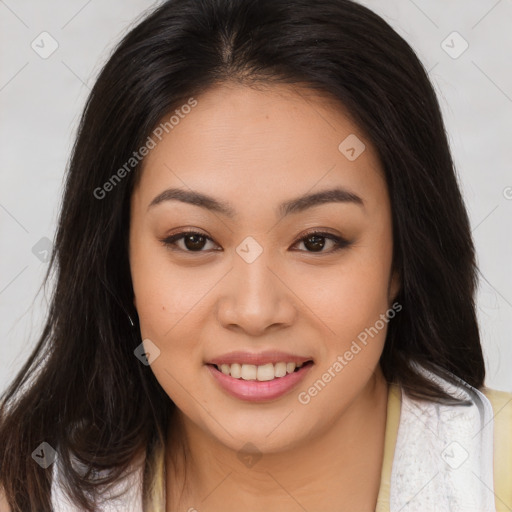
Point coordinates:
pixel 256 298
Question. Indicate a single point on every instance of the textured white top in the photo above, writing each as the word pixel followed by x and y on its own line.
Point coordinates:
pixel 443 457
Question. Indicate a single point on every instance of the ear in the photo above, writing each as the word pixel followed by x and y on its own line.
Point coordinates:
pixel 395 286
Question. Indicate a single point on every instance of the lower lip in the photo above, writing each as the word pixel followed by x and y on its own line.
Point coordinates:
pixel 256 391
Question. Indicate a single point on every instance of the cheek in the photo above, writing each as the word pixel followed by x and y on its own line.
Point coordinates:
pixel 152 293
pixel 165 297
pixel 165 293
pixel 351 298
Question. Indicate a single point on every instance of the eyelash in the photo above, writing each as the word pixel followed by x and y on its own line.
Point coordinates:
pixel 340 243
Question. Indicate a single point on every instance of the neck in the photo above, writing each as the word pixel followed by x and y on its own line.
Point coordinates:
pixel 337 471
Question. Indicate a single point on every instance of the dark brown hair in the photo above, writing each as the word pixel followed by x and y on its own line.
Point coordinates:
pixel 82 390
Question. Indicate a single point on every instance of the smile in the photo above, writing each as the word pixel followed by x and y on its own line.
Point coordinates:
pixel 259 383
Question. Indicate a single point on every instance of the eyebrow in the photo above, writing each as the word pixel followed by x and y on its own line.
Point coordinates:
pixel 297 205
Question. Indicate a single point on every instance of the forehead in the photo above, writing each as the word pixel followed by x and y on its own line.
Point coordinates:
pixel 250 144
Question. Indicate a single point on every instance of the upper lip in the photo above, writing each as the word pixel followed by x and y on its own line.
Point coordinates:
pixel 260 358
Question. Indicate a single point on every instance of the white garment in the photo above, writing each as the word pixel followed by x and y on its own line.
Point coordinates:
pixel 443 459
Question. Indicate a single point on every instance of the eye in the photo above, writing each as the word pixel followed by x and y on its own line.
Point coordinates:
pixel 194 241
pixel 315 240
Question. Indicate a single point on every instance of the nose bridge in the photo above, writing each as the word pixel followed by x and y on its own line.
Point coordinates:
pixel 257 297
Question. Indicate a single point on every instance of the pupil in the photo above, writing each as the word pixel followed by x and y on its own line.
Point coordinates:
pixel 316 242
pixel 196 245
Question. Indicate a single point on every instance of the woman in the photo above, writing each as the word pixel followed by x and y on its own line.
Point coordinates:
pixel 204 350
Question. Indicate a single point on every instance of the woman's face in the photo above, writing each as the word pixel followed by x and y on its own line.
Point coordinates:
pixel 255 290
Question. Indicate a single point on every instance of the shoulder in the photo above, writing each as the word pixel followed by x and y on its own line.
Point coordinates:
pixel 500 400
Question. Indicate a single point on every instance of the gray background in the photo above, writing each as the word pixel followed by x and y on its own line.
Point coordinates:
pixel 41 100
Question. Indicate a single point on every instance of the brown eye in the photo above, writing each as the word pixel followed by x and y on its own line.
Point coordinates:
pixel 192 241
pixel 315 242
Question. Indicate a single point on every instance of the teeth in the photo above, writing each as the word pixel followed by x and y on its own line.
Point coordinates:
pixel 261 373
pixel 280 369
pixel 236 370
pixel 265 372
pixel 249 371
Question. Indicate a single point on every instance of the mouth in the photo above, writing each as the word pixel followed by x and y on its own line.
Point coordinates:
pixel 259 383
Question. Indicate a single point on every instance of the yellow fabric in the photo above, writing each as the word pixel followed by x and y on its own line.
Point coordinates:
pixel 501 402
pixel 392 421
pixel 156 499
